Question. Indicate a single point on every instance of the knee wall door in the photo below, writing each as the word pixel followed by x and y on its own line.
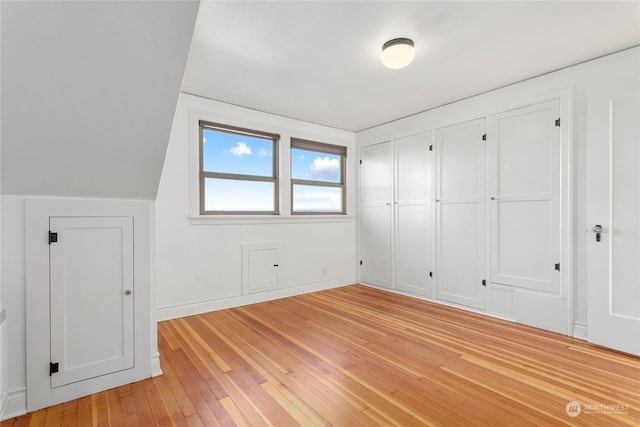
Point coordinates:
pixel 91 291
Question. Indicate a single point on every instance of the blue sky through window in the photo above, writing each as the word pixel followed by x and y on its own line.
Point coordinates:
pixel 230 153
pixel 238 195
pixel 315 166
pixel 240 154
pixel 311 198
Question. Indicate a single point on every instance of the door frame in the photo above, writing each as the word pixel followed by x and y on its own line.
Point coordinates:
pixel 146 362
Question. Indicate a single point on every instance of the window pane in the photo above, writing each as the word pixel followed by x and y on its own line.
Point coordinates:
pixel 313 198
pixel 239 154
pixel 238 195
pixel 315 166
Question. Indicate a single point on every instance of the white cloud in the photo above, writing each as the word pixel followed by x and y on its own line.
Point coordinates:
pixel 326 168
pixel 241 149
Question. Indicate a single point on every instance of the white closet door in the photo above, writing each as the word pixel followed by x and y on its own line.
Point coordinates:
pixel 413 253
pixel 460 214
pixel 613 156
pixel 524 165
pixel 91 280
pixel 375 214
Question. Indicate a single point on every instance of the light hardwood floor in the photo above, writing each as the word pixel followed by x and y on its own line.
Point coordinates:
pixel 360 356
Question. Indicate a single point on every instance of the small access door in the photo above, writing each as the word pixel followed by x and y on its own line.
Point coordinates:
pixel 92 291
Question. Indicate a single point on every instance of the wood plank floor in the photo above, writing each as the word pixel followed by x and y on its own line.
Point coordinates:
pixel 359 356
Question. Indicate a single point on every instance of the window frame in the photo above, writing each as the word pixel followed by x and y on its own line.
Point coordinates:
pixel 202 174
pixel 320 147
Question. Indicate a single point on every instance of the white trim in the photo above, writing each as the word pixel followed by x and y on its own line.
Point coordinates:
pixel 267 219
pixel 441 302
pixel 16 404
pixel 156 369
pixel 183 310
pixel 581 331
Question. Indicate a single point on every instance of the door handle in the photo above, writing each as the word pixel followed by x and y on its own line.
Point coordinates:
pixel 598 230
pixel 127 292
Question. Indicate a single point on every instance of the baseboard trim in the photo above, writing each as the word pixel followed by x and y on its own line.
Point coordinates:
pixel 156 370
pixel 440 302
pixel 16 404
pixel 183 310
pixel 581 331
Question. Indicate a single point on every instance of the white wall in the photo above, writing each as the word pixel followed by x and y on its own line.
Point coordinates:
pixel 199 259
pixel 577 83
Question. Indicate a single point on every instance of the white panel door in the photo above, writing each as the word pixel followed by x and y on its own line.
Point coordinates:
pixel 92 292
pixel 613 165
pixel 460 214
pixel 412 201
pixel 524 165
pixel 375 214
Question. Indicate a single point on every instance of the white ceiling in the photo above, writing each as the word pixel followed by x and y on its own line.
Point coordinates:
pixel 319 61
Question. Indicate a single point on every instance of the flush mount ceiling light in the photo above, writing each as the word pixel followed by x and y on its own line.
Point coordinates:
pixel 397 53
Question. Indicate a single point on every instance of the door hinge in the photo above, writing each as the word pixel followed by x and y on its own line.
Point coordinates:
pixel 431 147
pixel 557 267
pixel 360 262
pixel 53 368
pixel 360 161
pixel 484 282
pixel 431 274
pixel 53 237
pixel 484 137
pixel 558 122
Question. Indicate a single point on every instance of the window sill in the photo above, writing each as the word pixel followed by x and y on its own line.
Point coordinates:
pixel 267 219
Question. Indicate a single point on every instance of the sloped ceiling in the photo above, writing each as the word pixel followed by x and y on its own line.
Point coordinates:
pixel 320 61
pixel 89 91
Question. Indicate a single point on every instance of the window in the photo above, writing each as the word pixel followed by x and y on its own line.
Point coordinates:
pixel 317 177
pixel 238 170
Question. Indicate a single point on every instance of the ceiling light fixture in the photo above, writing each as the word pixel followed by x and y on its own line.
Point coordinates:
pixel 397 53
